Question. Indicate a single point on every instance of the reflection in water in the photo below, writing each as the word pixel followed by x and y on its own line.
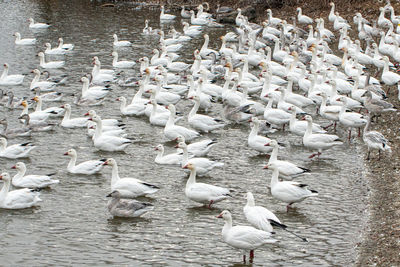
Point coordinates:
pixel 73 225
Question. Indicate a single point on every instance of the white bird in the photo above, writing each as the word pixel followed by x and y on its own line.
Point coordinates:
pixel 54 51
pixel 288 191
pixel 350 119
pixel 96 92
pixel 15 151
pixel 67 122
pixel 170 159
pixel 197 149
pixel 128 187
pixel 31 181
pixel 203 165
pixel 318 141
pixel 15 79
pixel 262 218
pixel 130 208
pixel 245 238
pixel 25 41
pixel 107 142
pixel 37 25
pixel 122 64
pixel 303 19
pixel 203 193
pixel 61 45
pixel 43 85
pixel 164 16
pixel 171 131
pixel 287 169
pixel 136 108
pixel 299 127
pixel 17 199
pixel 88 167
pixel 256 141
pixel 117 43
pixel 50 64
pixel 202 122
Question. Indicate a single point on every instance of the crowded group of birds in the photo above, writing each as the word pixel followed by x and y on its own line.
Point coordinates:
pixel 275 77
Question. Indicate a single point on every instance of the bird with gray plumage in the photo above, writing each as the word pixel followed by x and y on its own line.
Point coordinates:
pixel 11 133
pixel 37 126
pixel 375 140
pixel 122 207
pixel 376 106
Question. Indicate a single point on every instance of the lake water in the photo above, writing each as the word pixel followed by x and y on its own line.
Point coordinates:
pixel 73 227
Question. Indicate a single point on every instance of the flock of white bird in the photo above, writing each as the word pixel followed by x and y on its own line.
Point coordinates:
pixel 327 85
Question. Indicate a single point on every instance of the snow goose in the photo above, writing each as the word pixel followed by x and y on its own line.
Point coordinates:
pixel 31 181
pixel 107 142
pixel 135 109
pixel 376 106
pixel 37 25
pixel 67 122
pixel 382 21
pixel 49 96
pixel 262 218
pixel 202 122
pixel 203 193
pixel 256 141
pixel 303 19
pixel 34 116
pixel 94 92
pixel 375 140
pixel 25 41
pixel 185 13
pixel 275 116
pixel 204 51
pixel 128 208
pixel 36 126
pixel 11 133
pixel 299 127
pixel 191 31
pixel 15 79
pixel 17 199
pixel 389 78
pixel 166 17
pixel 128 187
pixel 105 122
pixel 296 99
pixel 333 96
pixel 158 116
pixel 197 21
pixel 197 149
pixel 163 97
pixel 245 238
pixel 171 131
pixel 50 64
pixel 15 151
pixel 287 169
pixel 54 51
pixel 177 66
pixel 350 119
pixel 288 191
pixel 61 45
pixel 117 43
pixel 273 20
pixel 43 85
pixel 53 111
pixel 170 159
pixel 122 64
pixel 328 112
pixel 87 167
pixel 203 165
pixel 318 141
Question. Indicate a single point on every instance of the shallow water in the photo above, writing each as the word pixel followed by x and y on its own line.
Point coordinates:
pixel 72 225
